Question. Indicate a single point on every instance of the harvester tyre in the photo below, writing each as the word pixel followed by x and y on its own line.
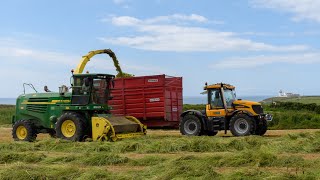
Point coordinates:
pixel 71 126
pixel 241 125
pixel 262 128
pixel 190 125
pixel 24 130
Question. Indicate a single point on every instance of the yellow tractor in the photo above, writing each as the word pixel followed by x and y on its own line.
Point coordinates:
pixel 225 112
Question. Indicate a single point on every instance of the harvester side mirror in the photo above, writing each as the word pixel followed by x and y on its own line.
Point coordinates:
pixel 112 82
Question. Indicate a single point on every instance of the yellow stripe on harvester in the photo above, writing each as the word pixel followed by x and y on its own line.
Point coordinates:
pixel 52 102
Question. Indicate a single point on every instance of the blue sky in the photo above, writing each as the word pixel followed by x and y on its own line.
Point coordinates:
pixel 260 46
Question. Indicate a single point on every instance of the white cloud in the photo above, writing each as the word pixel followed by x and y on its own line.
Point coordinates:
pixel 302 9
pixel 167 33
pixel 255 61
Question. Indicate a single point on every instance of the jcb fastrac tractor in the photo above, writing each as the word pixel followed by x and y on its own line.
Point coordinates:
pixel 224 112
pixel 75 115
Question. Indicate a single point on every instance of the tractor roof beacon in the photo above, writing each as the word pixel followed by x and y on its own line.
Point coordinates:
pixel 82 113
pixel 225 112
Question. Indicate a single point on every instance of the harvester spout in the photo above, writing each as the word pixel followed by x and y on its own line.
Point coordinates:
pixel 85 59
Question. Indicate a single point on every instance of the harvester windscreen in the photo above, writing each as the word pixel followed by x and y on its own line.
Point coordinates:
pixel 90 90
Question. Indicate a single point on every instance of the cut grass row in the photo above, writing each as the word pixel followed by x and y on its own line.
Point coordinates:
pixel 155 157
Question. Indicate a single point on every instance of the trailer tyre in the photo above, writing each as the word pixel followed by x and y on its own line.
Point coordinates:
pixel 262 128
pixel 71 126
pixel 190 125
pixel 24 130
pixel 241 125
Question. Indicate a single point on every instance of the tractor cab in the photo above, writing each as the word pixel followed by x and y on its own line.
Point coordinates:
pixel 220 95
pixel 91 88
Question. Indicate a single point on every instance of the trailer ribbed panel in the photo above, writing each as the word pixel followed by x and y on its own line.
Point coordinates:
pixel 155 100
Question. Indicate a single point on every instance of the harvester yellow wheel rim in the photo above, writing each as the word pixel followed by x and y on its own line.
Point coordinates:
pixel 21 132
pixel 68 128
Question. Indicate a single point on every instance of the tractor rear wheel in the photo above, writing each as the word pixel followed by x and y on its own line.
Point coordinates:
pixel 262 128
pixel 70 126
pixel 24 130
pixel 241 125
pixel 190 125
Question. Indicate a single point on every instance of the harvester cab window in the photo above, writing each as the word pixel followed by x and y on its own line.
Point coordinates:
pixel 100 91
pixel 81 90
pixel 215 100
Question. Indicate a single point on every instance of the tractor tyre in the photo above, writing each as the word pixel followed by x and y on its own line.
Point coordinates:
pixel 71 126
pixel 24 130
pixel 262 128
pixel 190 125
pixel 241 125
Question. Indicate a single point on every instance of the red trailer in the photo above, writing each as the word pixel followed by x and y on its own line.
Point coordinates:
pixel 155 100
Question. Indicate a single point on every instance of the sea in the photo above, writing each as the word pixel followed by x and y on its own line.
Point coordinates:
pixel 186 99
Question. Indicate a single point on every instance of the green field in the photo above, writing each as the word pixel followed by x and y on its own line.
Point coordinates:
pixel 165 154
pixel 302 99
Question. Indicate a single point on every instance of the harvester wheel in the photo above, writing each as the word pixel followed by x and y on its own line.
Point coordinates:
pixel 262 128
pixel 70 126
pixel 24 130
pixel 190 125
pixel 241 125
pixel 53 133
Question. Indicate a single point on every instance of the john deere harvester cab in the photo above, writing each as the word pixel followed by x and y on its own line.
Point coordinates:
pixel 82 113
pixel 224 112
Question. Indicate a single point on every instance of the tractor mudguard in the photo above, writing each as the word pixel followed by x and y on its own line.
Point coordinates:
pixel 241 111
pixel 199 114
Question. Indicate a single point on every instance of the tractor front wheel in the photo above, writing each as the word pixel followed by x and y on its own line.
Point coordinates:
pixel 24 130
pixel 241 125
pixel 262 128
pixel 190 125
pixel 70 126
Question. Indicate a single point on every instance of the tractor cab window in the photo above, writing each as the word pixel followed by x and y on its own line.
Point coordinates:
pixel 229 96
pixel 215 99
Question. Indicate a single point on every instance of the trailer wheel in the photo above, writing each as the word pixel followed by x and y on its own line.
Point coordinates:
pixel 70 126
pixel 190 125
pixel 24 130
pixel 262 128
pixel 241 125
